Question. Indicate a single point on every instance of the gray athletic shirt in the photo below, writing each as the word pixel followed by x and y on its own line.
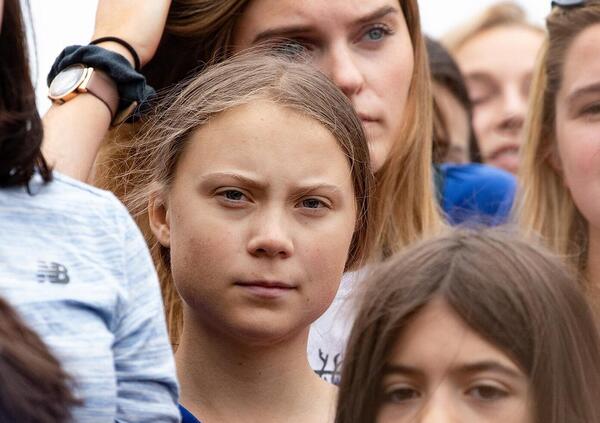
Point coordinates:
pixel 76 267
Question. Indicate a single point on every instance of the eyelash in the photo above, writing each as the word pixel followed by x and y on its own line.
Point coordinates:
pixel 391 396
pixel 591 110
pixel 496 392
pixel 382 27
pixel 322 204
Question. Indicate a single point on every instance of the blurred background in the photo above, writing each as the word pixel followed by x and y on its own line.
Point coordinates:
pixel 52 33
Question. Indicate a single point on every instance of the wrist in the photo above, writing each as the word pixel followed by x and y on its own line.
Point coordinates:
pixel 117 48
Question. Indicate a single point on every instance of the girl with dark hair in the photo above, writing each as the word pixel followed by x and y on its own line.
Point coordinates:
pixel 74 265
pixel 472 326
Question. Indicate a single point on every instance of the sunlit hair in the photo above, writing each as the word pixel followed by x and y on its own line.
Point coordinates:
pixel 510 292
pixel 544 204
pixel 200 32
pixel 505 13
pixel 33 386
pixel 244 79
pixel 20 124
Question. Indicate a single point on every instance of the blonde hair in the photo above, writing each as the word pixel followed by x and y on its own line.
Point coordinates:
pixel 506 13
pixel 241 80
pixel 544 204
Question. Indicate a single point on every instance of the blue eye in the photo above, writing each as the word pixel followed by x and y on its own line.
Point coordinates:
pixel 312 203
pixel 290 48
pixel 377 33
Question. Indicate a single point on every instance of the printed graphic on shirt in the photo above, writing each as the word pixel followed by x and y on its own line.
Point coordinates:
pixel 52 272
pixel 331 366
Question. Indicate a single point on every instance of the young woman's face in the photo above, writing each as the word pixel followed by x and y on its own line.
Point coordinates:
pixel 363 45
pixel 457 123
pixel 498 65
pixel 578 123
pixel 440 370
pixel 259 220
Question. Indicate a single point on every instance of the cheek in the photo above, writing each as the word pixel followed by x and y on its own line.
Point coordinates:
pixel 200 252
pixel 579 150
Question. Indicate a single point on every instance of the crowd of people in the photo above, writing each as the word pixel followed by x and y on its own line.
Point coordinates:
pixel 304 212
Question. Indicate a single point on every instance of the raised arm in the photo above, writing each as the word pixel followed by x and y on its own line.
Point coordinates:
pixel 73 131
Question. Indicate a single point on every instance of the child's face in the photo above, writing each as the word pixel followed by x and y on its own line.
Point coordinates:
pixel 259 220
pixel 442 371
pixel 362 45
pixel 578 124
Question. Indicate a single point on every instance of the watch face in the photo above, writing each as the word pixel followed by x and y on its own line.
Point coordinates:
pixel 66 81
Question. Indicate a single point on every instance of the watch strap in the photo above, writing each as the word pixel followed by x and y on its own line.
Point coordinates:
pixel 104 88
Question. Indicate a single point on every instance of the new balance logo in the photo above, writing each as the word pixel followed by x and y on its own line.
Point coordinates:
pixel 52 272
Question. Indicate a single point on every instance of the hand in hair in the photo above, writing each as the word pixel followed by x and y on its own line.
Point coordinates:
pixel 139 22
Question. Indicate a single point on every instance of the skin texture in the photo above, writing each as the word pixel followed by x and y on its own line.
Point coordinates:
pixel 457 123
pixel 445 372
pixel 371 61
pixel 498 65
pixel 290 221
pixel 577 128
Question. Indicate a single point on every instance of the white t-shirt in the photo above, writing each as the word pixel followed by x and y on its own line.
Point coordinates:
pixel 329 334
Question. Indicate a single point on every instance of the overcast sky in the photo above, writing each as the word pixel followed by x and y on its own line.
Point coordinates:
pixel 59 23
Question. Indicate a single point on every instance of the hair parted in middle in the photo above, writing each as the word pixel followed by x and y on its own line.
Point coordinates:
pixel 510 292
pixel 199 32
pixel 235 82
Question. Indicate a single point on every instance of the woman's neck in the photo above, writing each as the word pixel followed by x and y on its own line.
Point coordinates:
pixel 226 380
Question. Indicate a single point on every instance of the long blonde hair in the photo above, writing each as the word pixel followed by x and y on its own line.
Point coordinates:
pixel 544 204
pixel 229 84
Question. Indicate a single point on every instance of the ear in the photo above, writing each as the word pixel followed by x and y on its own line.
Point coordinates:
pixel 159 219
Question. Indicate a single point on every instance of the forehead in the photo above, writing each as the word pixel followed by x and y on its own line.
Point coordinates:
pixel 261 135
pixel 317 13
pixel 582 61
pixel 493 49
pixel 438 337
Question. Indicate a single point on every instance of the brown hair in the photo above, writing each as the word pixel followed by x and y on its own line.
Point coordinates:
pixel 33 386
pixel 234 82
pixel 20 124
pixel 200 31
pixel 446 73
pixel 505 13
pixel 510 292
pixel 545 205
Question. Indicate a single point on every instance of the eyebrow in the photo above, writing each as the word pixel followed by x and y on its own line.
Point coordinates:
pixel 286 31
pixel 258 184
pixel 580 92
pixel 479 77
pixel 244 180
pixel 478 367
pixel 488 366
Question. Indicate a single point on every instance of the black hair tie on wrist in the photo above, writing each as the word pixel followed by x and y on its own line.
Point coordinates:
pixel 130 49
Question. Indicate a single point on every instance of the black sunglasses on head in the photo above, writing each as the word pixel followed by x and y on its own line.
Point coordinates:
pixel 567 3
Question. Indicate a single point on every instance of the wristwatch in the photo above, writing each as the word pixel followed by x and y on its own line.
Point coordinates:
pixel 77 79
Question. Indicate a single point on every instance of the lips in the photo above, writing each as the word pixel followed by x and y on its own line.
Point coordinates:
pixel 266 289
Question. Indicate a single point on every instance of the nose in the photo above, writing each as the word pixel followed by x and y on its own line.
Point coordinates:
pixel 439 409
pixel 343 68
pixel 270 236
pixel 513 113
